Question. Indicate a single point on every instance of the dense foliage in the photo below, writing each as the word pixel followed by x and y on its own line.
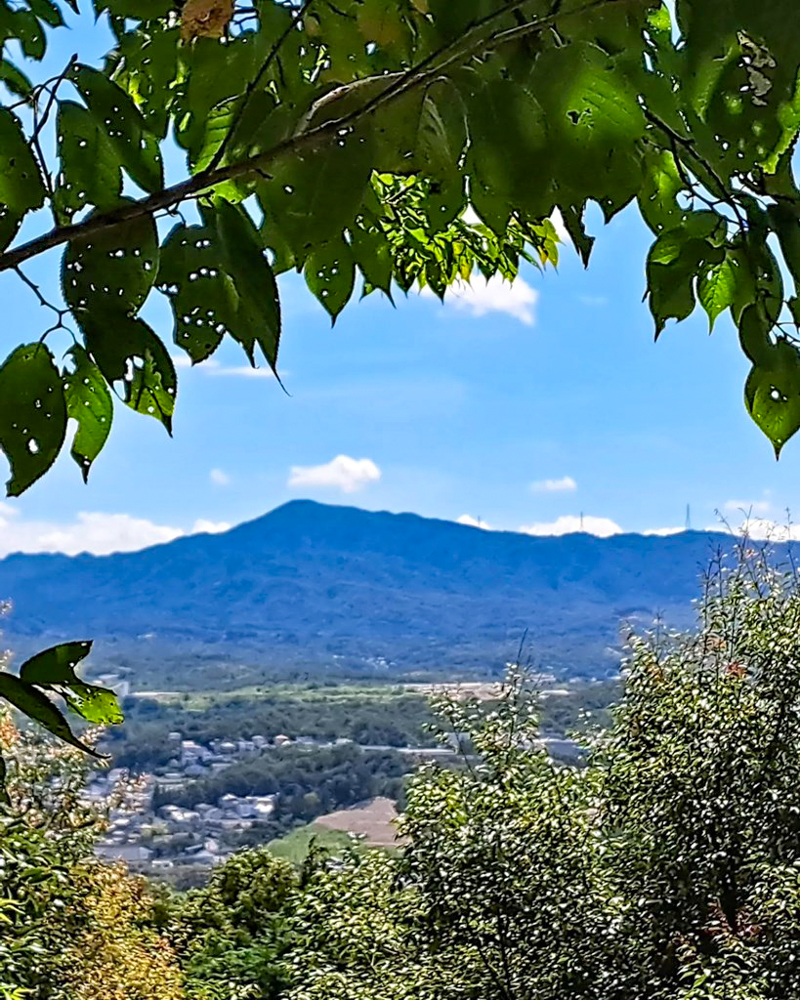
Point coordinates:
pixel 307 781
pixel 666 869
pixel 369 715
pixel 352 137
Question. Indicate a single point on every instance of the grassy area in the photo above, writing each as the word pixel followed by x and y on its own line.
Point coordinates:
pixel 296 845
pixel 201 701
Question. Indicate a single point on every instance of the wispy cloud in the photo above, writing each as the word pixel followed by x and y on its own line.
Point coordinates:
pixel 219 477
pixel 213 367
pixel 747 507
pixel 91 531
pixel 568 524
pixel 564 485
pixel 342 473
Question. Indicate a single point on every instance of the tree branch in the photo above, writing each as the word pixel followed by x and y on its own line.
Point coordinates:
pixel 456 53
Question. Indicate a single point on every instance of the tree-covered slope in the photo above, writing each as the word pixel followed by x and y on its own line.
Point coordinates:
pixel 308 581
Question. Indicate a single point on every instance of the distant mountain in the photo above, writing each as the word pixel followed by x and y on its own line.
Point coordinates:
pixel 320 587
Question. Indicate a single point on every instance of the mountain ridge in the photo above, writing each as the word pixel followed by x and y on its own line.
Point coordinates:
pixel 312 584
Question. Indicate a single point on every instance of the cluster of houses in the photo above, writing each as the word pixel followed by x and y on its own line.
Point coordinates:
pixel 167 836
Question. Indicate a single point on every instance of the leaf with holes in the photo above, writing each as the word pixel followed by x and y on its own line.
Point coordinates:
pixel 772 394
pixel 258 306
pixel 90 167
pixel 126 350
pixel 314 196
pixel 373 255
pixel 54 669
pixel 37 706
pixel 21 187
pixel 716 288
pixel 89 403
pixel 330 274
pixel 114 111
pixel 33 414
pixel 202 295
pixel 113 269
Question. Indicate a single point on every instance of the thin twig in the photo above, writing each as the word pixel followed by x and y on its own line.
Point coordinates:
pixel 273 53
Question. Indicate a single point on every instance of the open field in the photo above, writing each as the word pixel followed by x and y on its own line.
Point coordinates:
pixel 375 821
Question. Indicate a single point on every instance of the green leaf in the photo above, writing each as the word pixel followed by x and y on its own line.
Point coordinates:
pixel 90 167
pixel 754 335
pixel 716 289
pixel 14 79
pixel 787 225
pixel 55 665
pixel 258 303
pixel 30 33
pixel 573 222
pixel 112 270
pixel 772 394
pixel 37 706
pixel 373 254
pixel 21 187
pixel 202 295
pixel 95 704
pixel 330 274
pixel 47 11
pixel 33 414
pixel 115 113
pixel 312 197
pixel 89 403
pixel 54 669
pixel 125 349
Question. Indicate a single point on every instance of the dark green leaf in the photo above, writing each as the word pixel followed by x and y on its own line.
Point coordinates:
pixel 55 665
pixel 258 303
pixel 33 414
pixel 90 166
pixel 115 113
pixel 37 706
pixel 112 270
pixel 772 394
pixel 373 255
pixel 47 11
pixel 202 295
pixel 21 187
pixel 89 403
pixel 14 79
pixel 126 349
pixel 330 274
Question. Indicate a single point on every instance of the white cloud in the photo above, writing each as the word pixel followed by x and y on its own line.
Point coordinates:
pixel 473 522
pixel 93 531
pixel 664 531
pixel 219 477
pixel 761 529
pixel 747 506
pixel 480 297
pixel 564 485
pixel 342 473
pixel 212 367
pixel 203 527
pixel 568 524
pixel 242 371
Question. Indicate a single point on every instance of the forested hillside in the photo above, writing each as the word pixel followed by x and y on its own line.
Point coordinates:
pixel 322 588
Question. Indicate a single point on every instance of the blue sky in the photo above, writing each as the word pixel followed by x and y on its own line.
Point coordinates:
pixel 443 410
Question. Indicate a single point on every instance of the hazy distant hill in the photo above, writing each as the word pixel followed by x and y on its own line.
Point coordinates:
pixel 308 582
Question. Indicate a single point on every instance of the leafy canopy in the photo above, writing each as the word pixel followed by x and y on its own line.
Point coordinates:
pixel 348 141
